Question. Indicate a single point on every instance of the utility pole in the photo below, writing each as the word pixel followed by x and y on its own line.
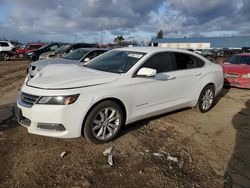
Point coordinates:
pixel 74 37
pixel 101 35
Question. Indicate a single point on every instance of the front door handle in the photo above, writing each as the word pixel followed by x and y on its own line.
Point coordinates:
pixel 198 74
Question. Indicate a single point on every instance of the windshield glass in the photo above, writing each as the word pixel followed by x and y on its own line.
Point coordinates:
pixel 239 59
pixel 76 54
pixel 45 46
pixel 115 61
pixel 62 48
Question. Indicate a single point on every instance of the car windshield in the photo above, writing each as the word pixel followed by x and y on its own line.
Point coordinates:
pixel 76 54
pixel 115 61
pixel 45 46
pixel 239 59
pixel 62 48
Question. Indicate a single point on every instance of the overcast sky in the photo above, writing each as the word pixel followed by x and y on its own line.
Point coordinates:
pixel 83 20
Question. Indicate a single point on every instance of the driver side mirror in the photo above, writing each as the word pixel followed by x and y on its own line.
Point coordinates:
pixel 86 59
pixel 146 72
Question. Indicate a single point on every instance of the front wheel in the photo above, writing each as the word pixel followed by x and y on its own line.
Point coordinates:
pixel 20 56
pixel 104 122
pixel 206 99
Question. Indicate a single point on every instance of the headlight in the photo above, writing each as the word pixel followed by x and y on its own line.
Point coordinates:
pixel 29 54
pixel 246 75
pixel 58 100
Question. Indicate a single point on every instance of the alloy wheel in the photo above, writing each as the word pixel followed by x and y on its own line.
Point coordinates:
pixel 207 99
pixel 106 123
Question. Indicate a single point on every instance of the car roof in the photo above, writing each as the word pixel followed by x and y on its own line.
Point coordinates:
pixel 36 44
pixel 153 49
pixel 92 49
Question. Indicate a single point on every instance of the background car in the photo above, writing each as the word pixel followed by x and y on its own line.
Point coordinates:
pixel 33 55
pixel 20 52
pixel 117 88
pixel 237 71
pixel 78 56
pixel 65 49
pixel 7 50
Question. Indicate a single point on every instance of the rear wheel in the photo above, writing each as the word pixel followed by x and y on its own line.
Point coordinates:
pixel 5 56
pixel 104 122
pixel 206 99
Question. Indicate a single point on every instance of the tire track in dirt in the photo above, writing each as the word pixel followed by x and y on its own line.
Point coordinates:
pixel 5 72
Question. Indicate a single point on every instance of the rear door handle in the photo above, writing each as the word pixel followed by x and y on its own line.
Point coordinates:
pixel 171 77
pixel 198 74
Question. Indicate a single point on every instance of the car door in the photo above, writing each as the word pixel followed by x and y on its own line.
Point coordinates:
pixel 188 71
pixel 154 94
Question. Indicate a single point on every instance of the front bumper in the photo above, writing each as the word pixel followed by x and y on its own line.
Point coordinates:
pixel 61 121
pixel 237 82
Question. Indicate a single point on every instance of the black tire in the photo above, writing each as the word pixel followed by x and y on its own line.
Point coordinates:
pixel 34 58
pixel 5 56
pixel 89 124
pixel 206 99
pixel 21 56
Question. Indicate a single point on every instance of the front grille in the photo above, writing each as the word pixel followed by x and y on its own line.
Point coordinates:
pixel 231 75
pixel 28 100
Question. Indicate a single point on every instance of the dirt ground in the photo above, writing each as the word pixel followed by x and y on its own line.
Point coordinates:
pixel 179 149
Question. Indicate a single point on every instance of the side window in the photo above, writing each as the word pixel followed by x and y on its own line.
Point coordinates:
pixel 53 47
pixel 162 62
pixel 92 54
pixel 28 47
pixel 186 61
pixel 76 46
pixel 101 52
pixel 4 44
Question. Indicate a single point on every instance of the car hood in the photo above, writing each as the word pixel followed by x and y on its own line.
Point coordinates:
pixel 47 53
pixel 239 69
pixel 42 63
pixel 70 76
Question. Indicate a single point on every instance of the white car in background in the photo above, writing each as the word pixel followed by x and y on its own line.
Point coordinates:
pixel 6 50
pixel 117 88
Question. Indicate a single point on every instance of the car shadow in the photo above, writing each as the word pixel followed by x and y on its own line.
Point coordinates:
pixel 8 118
pixel 238 169
pixel 222 94
pixel 143 123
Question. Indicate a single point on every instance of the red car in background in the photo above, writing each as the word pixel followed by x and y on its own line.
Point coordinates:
pixel 20 52
pixel 237 71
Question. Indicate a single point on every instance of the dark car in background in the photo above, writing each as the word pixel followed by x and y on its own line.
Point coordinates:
pixel 20 52
pixel 65 49
pixel 79 57
pixel 34 54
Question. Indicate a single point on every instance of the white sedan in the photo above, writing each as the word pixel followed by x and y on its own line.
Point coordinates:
pixel 117 88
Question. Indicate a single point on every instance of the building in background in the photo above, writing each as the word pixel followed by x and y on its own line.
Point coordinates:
pixel 203 42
